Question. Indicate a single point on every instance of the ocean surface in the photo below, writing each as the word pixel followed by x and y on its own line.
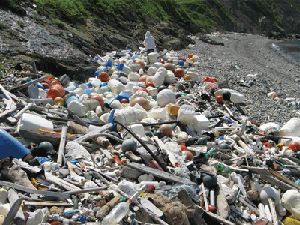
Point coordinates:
pixel 290 49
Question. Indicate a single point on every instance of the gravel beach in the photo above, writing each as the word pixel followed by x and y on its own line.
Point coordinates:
pixel 245 55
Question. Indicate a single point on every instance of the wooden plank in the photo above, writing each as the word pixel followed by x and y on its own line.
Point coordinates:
pixel 48 203
pixel 93 134
pixel 61 148
pixel 88 190
pixel 31 190
pixel 267 176
pixel 28 84
pixel 160 174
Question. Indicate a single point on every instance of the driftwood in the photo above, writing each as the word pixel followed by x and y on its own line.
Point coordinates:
pixel 267 176
pixel 161 174
pixel 31 190
pixel 47 203
pixel 37 137
pixel 28 84
pixel 84 130
pixel 61 148
pixel 59 182
pixel 91 135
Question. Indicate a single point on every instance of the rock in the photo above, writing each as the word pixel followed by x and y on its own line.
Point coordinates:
pixel 130 173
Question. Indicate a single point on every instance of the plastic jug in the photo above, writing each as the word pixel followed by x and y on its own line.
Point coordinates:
pixel 186 114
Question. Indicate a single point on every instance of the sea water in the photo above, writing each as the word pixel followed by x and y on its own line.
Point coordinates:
pixel 289 49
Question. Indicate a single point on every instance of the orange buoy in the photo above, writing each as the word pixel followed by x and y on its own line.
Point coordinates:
pixel 103 76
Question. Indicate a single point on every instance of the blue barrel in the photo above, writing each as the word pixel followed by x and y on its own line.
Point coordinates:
pixel 9 146
pixel 71 99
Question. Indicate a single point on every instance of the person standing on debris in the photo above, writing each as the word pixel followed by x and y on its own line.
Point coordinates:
pixel 149 43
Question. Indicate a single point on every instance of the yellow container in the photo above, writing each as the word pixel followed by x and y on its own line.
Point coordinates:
pixel 59 101
pixel 173 109
pixel 291 221
pixel 187 77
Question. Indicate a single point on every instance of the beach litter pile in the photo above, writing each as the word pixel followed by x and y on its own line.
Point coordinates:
pixel 146 140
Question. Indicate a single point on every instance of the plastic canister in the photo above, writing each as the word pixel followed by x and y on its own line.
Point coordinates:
pixel 237 97
pixel 181 63
pixel 71 99
pixel 34 123
pixel 56 90
pixel 200 122
pixel 152 57
pixel 59 100
pixel 173 109
pixel 11 146
pixel 186 114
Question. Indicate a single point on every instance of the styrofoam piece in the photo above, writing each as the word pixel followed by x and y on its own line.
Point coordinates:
pixel 158 113
pixel 138 129
pixel 33 122
pixel 152 91
pixel 186 114
pixel 291 128
pixel 200 122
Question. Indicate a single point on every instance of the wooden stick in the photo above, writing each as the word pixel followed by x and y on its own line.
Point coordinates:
pixel 88 190
pixel 273 212
pixel 47 203
pixel 28 84
pixel 30 190
pixel 62 145
pixel 12 212
pixel 204 196
pixel 160 174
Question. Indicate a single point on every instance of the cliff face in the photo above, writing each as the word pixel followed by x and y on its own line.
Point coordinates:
pixel 62 36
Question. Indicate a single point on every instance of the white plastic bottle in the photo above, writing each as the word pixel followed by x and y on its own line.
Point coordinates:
pixel 117 213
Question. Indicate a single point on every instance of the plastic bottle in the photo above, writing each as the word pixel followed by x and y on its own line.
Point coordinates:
pixel 211 152
pixel 117 213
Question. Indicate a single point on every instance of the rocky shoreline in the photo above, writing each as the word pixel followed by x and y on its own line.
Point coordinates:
pixel 251 66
